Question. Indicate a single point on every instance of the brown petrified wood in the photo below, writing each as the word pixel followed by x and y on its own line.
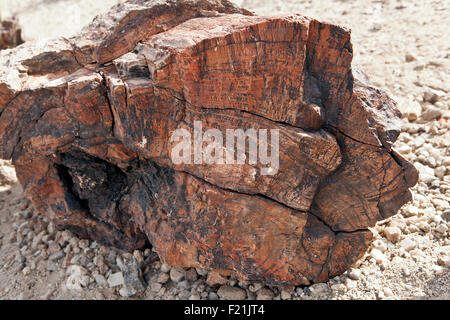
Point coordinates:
pixel 88 123
pixel 10 34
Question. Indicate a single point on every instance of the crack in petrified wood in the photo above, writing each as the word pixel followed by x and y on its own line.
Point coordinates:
pixel 87 122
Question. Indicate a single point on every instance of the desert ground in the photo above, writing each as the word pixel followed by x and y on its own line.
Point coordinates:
pixel 403 47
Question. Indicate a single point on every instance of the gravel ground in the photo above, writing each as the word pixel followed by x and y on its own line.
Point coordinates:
pixel 401 45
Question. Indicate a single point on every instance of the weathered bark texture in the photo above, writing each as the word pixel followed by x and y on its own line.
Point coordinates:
pixel 10 34
pixel 88 120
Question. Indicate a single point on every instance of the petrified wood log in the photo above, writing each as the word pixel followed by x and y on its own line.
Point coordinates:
pixel 88 123
pixel 10 34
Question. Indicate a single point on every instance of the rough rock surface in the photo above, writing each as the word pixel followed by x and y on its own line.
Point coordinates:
pixel 87 121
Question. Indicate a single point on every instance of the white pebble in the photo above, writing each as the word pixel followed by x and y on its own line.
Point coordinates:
pixel 393 234
pixel 442 228
pixel 408 244
pixel 116 279
pixel 354 274
pixel 378 256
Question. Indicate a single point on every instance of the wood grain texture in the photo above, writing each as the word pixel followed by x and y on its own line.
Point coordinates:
pixel 88 124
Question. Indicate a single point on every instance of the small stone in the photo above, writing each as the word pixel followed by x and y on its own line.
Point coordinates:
pixel 440 172
pixel 338 287
pixel 413 229
pixel 93 245
pixel 408 244
pixel 442 228
pixel 53 248
pixel 12 238
pixel 440 204
pixel 24 204
pixel 201 272
pixel 387 292
pixel 409 57
pixel 78 278
pixel 406 272
pixel 424 226
pixel 56 256
pixel 26 214
pixel 354 274
pixel 133 281
pixel 410 109
pixel 431 114
pixel 380 245
pixel 397 260
pixel 264 294
pixel 194 297
pixel 446 216
pixel 433 96
pixel 243 284
pixel 426 173
pixel 84 260
pixel 404 149
pixel 438 270
pixel 410 211
pixel 115 279
pixel 191 275
pixel 101 264
pixel 215 278
pixel 350 284
pixel 378 256
pixel 163 278
pixel 139 256
pixel 419 141
pixel 51 266
pixel 126 292
pixel 231 293
pixel 286 293
pixel 437 219
pixel 184 284
pixel 318 288
pixel 51 228
pixel 100 280
pixel 83 243
pixel 165 268
pixel 103 251
pixel 156 287
pixel 446 262
pixel 299 291
pixel 26 271
pixel 212 296
pixel 177 274
pixel 65 237
pixel 99 296
pixel 417 254
pixel 120 263
pixel 380 295
pixel 37 240
pixel 393 234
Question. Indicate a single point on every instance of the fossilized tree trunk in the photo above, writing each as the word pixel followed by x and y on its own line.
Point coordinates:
pixel 88 124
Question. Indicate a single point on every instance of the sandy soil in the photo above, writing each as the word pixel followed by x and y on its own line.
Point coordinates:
pixel 402 45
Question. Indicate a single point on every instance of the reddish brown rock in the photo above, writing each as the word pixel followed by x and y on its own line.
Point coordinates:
pixel 88 123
